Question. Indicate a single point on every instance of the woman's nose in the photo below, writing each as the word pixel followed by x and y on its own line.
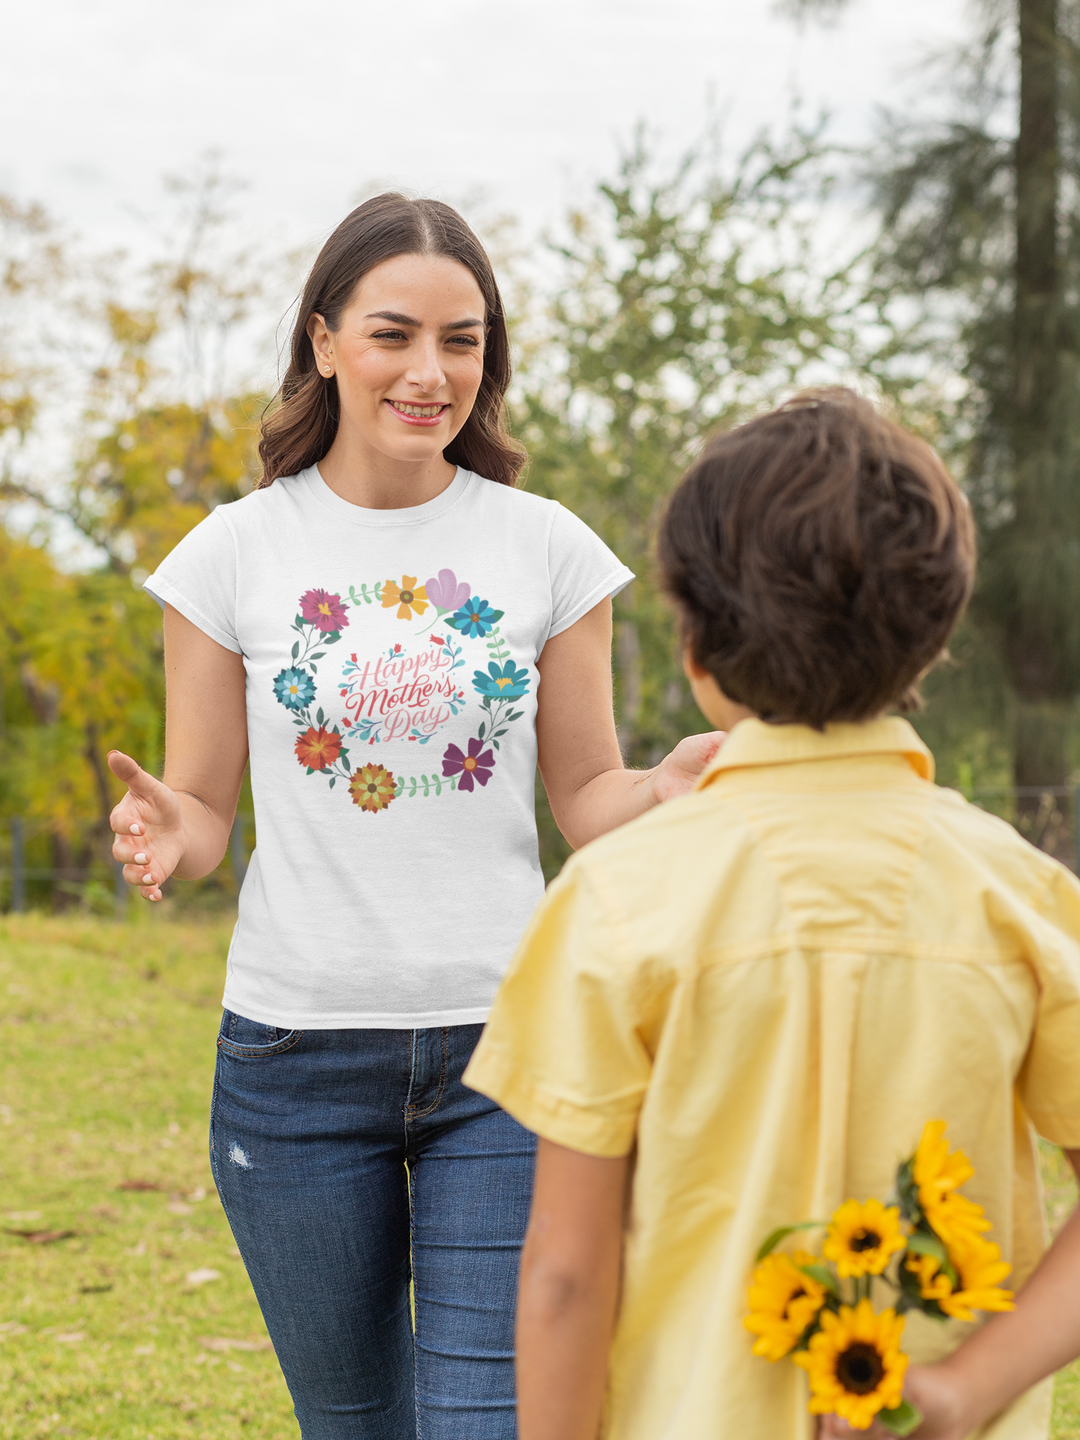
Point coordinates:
pixel 424 370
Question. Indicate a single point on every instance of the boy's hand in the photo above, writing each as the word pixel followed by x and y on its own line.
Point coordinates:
pixel 679 772
pixel 928 1388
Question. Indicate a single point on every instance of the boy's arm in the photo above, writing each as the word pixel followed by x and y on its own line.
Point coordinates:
pixel 568 1292
pixel 1010 1353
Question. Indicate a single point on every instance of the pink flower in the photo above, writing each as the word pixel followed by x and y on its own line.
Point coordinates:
pixel 326 611
pixel 446 593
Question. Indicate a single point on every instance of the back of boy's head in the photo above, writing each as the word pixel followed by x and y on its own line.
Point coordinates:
pixel 819 557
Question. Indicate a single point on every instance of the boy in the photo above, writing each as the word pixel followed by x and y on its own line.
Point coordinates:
pixel 741 1009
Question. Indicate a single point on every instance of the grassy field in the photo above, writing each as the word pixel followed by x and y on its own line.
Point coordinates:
pixel 125 1313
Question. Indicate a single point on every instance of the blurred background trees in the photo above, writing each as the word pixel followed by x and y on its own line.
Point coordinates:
pixel 979 247
pixel 677 299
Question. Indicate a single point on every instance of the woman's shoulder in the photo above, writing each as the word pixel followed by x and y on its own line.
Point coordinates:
pixel 496 497
pixel 269 502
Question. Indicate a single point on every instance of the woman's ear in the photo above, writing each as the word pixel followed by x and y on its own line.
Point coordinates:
pixel 321 343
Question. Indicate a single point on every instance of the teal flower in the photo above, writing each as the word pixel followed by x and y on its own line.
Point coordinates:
pixel 475 618
pixel 294 688
pixel 502 682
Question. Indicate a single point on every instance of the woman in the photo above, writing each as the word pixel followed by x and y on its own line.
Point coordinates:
pixel 371 627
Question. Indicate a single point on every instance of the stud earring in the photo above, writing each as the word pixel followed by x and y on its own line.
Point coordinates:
pixel 328 370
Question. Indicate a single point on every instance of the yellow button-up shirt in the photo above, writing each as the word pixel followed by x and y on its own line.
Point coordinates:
pixel 768 987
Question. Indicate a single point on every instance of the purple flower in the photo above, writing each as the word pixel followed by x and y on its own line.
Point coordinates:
pixel 474 766
pixel 446 593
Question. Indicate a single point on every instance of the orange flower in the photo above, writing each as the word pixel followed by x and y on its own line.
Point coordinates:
pixel 408 596
pixel 372 788
pixel 318 749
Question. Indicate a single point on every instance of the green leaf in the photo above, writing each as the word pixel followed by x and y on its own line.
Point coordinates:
pixel 902 1419
pixel 333 780
pixel 771 1241
pixel 318 655
pixel 319 716
pixel 822 1276
pixel 295 649
pixel 924 1243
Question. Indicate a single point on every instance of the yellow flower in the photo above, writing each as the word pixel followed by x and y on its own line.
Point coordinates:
pixel 783 1301
pixel 979 1268
pixel 408 596
pixel 854 1364
pixel 862 1239
pixel 938 1176
pixel 373 787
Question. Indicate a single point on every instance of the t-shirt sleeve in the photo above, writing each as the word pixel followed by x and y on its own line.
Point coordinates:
pixel 563 1049
pixel 1049 1082
pixel 583 570
pixel 198 578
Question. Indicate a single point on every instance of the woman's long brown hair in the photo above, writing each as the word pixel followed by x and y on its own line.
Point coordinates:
pixel 299 425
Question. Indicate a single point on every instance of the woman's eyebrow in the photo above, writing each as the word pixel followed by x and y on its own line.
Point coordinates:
pixel 396 319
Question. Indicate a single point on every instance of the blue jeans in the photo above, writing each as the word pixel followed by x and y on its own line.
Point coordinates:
pixel 350 1162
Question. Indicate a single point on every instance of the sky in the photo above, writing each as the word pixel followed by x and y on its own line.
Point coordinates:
pixel 524 105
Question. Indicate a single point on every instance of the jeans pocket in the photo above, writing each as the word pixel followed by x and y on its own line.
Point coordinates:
pixel 246 1039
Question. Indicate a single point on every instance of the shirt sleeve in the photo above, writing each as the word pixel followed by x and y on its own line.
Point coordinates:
pixel 1049 1081
pixel 198 578
pixel 563 1049
pixel 583 570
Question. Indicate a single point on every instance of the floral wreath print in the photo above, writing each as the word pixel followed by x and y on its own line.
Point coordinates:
pixel 321 747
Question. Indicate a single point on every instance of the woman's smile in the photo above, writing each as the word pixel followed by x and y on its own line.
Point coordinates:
pixel 413 414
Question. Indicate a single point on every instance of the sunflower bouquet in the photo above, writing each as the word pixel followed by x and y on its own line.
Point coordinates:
pixel 929 1248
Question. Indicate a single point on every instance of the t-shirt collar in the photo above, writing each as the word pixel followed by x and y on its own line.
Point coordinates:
pixel 754 743
pixel 359 515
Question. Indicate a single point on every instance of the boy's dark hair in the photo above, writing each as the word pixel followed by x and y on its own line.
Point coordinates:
pixel 819 557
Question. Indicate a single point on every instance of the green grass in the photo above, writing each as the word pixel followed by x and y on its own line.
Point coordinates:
pixel 107 1045
pixel 108 1051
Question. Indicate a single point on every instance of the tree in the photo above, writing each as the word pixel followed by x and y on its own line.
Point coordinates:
pixel 155 445
pixel 684 301
pixel 981 227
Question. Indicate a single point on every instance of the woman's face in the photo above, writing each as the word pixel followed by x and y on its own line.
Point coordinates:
pixel 408 356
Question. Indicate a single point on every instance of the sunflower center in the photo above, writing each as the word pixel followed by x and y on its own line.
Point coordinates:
pixel 406 597
pixel 859 1369
pixel 373 789
pixel 470 764
pixel 865 1240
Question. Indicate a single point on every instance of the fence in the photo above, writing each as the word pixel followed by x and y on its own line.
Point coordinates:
pixel 18 877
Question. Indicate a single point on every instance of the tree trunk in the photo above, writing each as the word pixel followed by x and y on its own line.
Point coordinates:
pixel 1038 668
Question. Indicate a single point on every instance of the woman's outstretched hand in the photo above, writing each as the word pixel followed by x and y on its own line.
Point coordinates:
pixel 678 772
pixel 148 827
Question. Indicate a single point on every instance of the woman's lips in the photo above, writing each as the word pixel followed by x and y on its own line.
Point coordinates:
pixel 426 416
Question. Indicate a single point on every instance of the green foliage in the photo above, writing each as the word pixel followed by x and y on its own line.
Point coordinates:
pixel 684 301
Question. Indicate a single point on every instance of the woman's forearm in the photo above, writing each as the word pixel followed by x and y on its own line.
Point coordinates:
pixel 206 837
pixel 605 802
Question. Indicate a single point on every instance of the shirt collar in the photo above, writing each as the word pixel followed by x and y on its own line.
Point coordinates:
pixel 753 742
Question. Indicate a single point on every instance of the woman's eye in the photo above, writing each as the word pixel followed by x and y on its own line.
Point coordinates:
pixel 465 340
pixel 389 335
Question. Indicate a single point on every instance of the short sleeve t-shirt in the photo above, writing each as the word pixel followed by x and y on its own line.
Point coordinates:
pixel 391 681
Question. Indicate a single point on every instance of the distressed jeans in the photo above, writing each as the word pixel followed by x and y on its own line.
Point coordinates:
pixel 350 1162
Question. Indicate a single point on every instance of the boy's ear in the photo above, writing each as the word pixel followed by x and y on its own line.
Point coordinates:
pixel 691 669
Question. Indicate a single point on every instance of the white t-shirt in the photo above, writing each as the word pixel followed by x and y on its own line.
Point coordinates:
pixel 391 705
